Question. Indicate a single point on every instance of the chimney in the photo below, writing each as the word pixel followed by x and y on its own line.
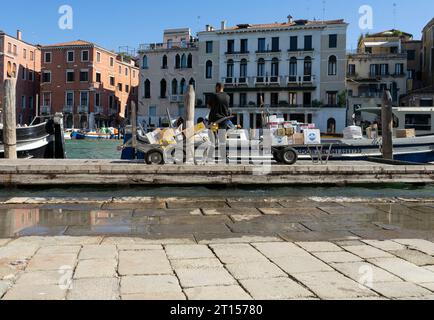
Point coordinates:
pixel 19 35
pixel 290 19
pixel 208 28
pixel 223 25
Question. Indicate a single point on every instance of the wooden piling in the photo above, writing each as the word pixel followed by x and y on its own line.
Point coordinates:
pixel 134 123
pixel 190 102
pixel 387 126
pixel 9 120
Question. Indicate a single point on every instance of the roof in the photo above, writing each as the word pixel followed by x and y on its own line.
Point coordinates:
pixel 428 25
pixel 390 33
pixel 71 44
pixel 295 23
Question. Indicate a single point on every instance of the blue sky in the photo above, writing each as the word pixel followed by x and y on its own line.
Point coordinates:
pixel 114 23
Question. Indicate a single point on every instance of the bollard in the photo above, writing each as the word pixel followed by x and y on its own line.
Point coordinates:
pixel 189 102
pixel 387 126
pixel 9 120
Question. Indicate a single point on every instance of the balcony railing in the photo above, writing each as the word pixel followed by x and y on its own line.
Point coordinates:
pixel 237 52
pixel 45 109
pixel 167 46
pixel 301 50
pixel 176 98
pixel 99 110
pixel 268 51
pixel 68 109
pixel 83 109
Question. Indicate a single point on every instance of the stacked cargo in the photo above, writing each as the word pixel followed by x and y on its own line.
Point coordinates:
pixel 292 132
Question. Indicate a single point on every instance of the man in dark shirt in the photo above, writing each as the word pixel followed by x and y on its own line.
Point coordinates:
pixel 219 105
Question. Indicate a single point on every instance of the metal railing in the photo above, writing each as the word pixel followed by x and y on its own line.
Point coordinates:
pixel 83 109
pixel 168 46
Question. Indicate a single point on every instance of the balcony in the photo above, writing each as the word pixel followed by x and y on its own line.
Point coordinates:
pixel 83 109
pixel 68 109
pixel 229 81
pixel 302 50
pixel 264 51
pixel 237 52
pixel 243 81
pixel 274 80
pixel 176 98
pixel 168 46
pixel 99 110
pixel 45 109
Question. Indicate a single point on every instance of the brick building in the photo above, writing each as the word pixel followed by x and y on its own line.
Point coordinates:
pixel 22 61
pixel 92 86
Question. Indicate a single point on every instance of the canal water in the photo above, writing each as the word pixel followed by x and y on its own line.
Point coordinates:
pixel 93 149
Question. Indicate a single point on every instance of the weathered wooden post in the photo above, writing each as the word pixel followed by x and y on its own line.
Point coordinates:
pixel 134 124
pixel 190 102
pixel 387 126
pixel 9 120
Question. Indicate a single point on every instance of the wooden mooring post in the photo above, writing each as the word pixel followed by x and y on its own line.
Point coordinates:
pixel 387 126
pixel 189 102
pixel 134 124
pixel 9 120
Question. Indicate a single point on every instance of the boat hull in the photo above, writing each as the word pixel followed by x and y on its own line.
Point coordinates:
pixel 83 136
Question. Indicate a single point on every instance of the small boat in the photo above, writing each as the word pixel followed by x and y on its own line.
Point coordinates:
pixel 40 141
pixel 78 135
pixel 67 134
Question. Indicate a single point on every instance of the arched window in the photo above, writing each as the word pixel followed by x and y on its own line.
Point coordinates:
pixel 163 88
pixel 230 69
pixel 192 83
pixel 243 68
pixel 293 67
pixel 331 125
pixel 183 61
pixel 147 89
pixel 307 69
pixel 275 67
pixel 145 62
pixel 190 61
pixel 177 61
pixel 9 69
pixel 164 62
pixel 333 69
pixel 14 71
pixel 261 67
pixel 174 87
pixel 182 87
pixel 208 74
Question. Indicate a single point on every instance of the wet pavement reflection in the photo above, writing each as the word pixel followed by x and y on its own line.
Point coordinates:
pixel 220 219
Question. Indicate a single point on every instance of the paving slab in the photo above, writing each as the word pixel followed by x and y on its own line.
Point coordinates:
pixel 337 257
pixel 138 247
pixel 196 263
pixel 18 252
pixel 429 286
pixel 57 241
pixel 401 289
pixel 35 292
pixel 98 252
pixel 150 285
pixel 368 252
pixel 153 262
pixel 333 285
pixel 4 242
pixel 385 245
pixel 9 269
pixel 301 264
pixel 204 204
pixel 416 257
pixel 404 269
pixel 232 238
pixel 280 250
pixel 362 271
pixel 231 211
pixel 424 246
pixel 4 286
pixel 182 239
pixel 51 250
pixel 218 293
pixel 255 270
pixel 166 212
pixel 318 236
pixel 162 296
pixel 94 289
pixel 195 220
pixel 319 246
pixel 276 289
pixel 237 253
pixel 176 252
pixel 99 268
pixel 45 278
pixel 190 278
pixel 291 211
pixel 172 230
pixel 48 262
pixel 262 227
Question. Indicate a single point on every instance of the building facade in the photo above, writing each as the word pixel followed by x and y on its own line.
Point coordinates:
pixel 166 70
pixel 379 64
pixel 295 69
pixel 92 86
pixel 428 54
pixel 21 61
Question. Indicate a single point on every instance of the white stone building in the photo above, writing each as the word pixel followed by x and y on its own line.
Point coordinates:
pixel 166 70
pixel 296 69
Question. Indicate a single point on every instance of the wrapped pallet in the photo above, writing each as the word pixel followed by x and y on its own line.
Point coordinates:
pixel 353 132
pixel 405 133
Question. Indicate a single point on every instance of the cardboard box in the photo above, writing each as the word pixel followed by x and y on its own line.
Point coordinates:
pixel 405 133
pixel 290 131
pixel 298 139
pixel 281 132
pixel 280 141
pixel 154 136
pixel 312 136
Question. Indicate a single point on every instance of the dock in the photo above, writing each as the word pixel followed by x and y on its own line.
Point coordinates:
pixel 113 172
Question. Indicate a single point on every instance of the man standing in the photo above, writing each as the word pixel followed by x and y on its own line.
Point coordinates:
pixel 219 105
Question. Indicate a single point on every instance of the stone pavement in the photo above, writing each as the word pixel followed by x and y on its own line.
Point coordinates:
pixel 232 249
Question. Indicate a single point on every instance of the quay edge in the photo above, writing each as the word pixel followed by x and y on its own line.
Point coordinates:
pixel 112 172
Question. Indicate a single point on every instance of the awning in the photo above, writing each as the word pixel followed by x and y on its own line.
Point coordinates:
pixel 382 44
